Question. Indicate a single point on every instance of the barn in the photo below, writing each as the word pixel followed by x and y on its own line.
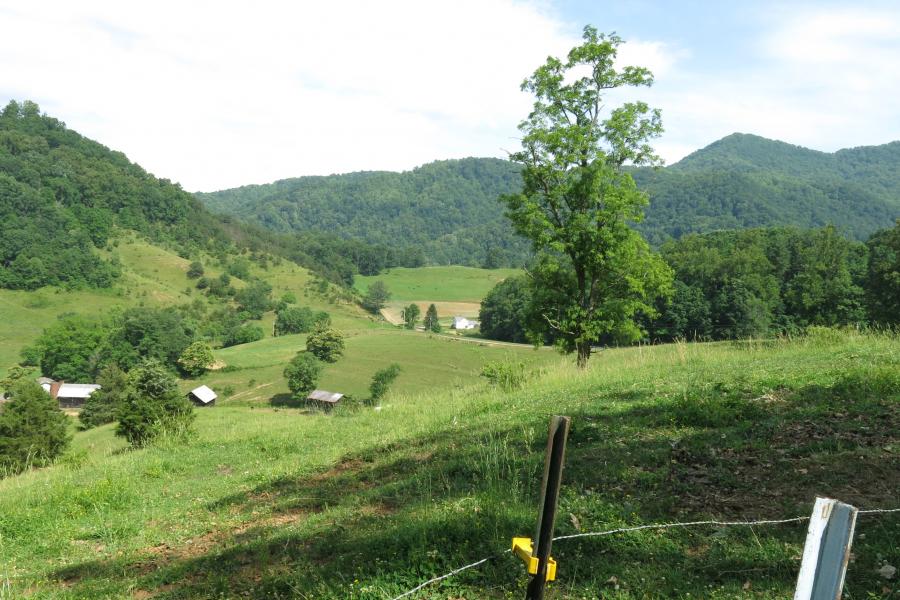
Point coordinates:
pixel 202 396
pixel 324 399
pixel 69 395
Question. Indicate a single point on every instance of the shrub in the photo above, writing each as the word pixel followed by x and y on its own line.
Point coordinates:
pixel 302 374
pixel 195 270
pixel 325 343
pixel 152 406
pixel 196 358
pixel 243 334
pixel 102 406
pixel 33 431
pixel 298 319
pixel 382 380
pixel 507 375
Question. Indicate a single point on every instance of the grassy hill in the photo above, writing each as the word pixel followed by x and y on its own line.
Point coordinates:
pixel 271 503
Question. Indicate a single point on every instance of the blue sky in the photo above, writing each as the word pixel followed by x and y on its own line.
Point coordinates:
pixel 220 94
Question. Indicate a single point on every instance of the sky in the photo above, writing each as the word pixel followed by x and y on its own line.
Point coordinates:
pixel 219 94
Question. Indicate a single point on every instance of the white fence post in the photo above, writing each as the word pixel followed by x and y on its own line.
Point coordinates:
pixel 827 551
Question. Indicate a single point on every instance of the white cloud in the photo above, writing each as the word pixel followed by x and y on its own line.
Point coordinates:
pixel 217 94
pixel 819 77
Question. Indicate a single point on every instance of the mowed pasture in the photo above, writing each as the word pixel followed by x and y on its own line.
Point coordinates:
pixel 267 503
pixel 437 284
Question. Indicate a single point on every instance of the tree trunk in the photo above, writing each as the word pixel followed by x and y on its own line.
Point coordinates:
pixel 584 353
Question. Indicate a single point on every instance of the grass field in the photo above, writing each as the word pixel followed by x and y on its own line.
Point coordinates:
pixel 269 503
pixel 433 284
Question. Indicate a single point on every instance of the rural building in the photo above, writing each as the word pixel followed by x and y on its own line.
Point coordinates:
pixel 463 323
pixel 202 396
pixel 68 395
pixel 324 399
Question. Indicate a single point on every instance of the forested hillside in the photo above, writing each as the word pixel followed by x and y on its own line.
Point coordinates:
pixel 62 194
pixel 447 211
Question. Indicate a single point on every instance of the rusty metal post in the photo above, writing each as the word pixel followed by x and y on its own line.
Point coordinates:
pixel 553 466
pixel 827 551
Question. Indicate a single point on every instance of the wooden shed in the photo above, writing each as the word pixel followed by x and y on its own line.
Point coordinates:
pixel 324 398
pixel 202 396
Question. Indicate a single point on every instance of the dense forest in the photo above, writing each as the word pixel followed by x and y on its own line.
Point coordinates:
pixel 447 211
pixel 745 283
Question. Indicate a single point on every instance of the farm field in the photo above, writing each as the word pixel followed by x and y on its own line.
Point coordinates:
pixel 276 503
pixel 437 284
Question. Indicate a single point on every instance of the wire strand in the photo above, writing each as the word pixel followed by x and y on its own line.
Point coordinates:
pixel 636 528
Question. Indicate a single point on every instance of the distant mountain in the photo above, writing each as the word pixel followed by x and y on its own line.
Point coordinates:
pixel 449 209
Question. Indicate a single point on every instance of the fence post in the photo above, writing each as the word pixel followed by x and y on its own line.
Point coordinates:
pixel 553 466
pixel 827 551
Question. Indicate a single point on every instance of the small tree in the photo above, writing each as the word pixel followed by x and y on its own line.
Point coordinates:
pixel 33 431
pixel 152 406
pixel 431 320
pixel 103 405
pixel 376 297
pixel 195 270
pixel 325 343
pixel 382 380
pixel 410 315
pixel 302 374
pixel 196 358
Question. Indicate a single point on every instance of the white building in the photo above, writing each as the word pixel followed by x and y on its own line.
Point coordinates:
pixel 463 323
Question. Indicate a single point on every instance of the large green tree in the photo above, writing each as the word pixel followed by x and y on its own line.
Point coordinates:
pixel 883 277
pixel 33 431
pixel 152 405
pixel 594 272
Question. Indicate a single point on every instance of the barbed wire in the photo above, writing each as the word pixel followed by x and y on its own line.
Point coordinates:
pixel 634 528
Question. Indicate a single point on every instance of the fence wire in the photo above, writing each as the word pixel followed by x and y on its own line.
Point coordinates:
pixel 634 528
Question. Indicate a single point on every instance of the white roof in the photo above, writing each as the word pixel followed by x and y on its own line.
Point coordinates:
pixel 76 390
pixel 324 396
pixel 204 394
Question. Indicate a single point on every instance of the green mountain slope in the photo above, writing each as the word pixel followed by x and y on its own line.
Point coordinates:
pixel 450 210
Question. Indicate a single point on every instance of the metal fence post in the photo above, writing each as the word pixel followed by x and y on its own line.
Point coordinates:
pixel 553 466
pixel 827 551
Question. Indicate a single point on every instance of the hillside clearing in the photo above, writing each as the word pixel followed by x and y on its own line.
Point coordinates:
pixel 437 284
pixel 275 504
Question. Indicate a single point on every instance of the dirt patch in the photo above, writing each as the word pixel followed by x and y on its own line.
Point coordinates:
pixel 219 364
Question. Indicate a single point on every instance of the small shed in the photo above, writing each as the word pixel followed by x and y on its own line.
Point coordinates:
pixel 202 396
pixel 72 395
pixel 463 323
pixel 324 398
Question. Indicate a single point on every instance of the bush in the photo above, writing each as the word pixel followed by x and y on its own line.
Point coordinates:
pixel 325 343
pixel 382 380
pixel 196 358
pixel 152 406
pixel 298 319
pixel 102 406
pixel 195 270
pixel 33 431
pixel 243 334
pixel 507 375
pixel 302 374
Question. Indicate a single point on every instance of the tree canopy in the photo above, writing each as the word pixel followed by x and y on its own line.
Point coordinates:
pixel 594 271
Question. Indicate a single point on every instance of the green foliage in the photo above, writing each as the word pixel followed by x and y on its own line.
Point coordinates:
pixel 302 374
pixel 254 299
pixel 376 297
pixel 102 406
pixel 152 406
pixel 325 343
pixel 71 348
pixel 142 333
pixel 760 282
pixel 299 319
pixel 506 310
pixel 195 270
pixel 883 276
pixel 13 376
pixel 381 382
pixel 243 334
pixel 410 315
pixel 33 431
pixel 430 321
pixel 508 375
pixel 440 213
pixel 196 358
pixel 594 272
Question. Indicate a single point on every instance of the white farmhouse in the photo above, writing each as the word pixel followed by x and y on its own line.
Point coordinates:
pixel 463 323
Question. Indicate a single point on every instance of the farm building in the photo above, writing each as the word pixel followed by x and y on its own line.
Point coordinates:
pixel 463 323
pixel 202 396
pixel 68 395
pixel 323 398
